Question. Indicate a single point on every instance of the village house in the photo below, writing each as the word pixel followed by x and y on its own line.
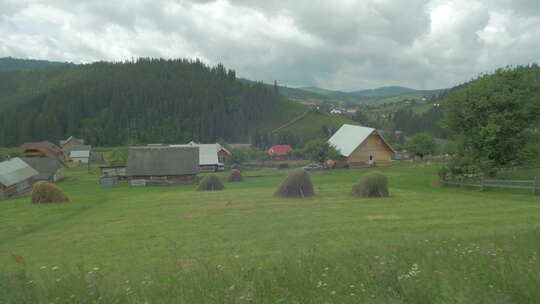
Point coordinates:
pixel 155 166
pixel 71 142
pixel 280 152
pixel 44 149
pixel 49 170
pixel 16 178
pixel 212 157
pixel 360 147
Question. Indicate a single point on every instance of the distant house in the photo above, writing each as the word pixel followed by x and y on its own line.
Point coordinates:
pixel 280 151
pixel 16 178
pixel 149 166
pixel 361 147
pixel 336 111
pixel 212 157
pixel 43 149
pixel 48 169
pixel 70 142
pixel 80 156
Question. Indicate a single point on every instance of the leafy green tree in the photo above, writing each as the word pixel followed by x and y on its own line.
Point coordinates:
pixel 492 117
pixel 422 144
pixel 360 117
pixel 319 150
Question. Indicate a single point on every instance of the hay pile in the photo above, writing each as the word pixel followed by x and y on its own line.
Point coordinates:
pixel 210 182
pixel 235 176
pixel 296 184
pixel 236 167
pixel 371 185
pixel 44 192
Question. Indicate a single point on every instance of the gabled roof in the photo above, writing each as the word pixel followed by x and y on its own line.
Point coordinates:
pixel 46 167
pixel 14 171
pixel 208 153
pixel 83 153
pixel 349 137
pixel 63 142
pixel 161 161
pixel 280 150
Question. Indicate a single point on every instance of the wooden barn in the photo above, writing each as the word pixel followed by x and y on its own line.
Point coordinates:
pixel 49 170
pixel 280 151
pixel 361 147
pixel 156 166
pixel 16 178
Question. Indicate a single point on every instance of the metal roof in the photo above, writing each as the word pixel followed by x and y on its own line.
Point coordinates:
pixel 349 137
pixel 208 153
pixel 85 153
pixel 14 171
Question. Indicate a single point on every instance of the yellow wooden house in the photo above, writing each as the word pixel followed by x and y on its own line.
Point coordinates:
pixel 361 147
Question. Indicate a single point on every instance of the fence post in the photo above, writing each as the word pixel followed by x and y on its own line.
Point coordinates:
pixel 535 185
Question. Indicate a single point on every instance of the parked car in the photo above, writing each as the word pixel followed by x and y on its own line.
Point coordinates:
pixel 313 167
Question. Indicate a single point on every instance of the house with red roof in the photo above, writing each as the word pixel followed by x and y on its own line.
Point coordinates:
pixel 280 151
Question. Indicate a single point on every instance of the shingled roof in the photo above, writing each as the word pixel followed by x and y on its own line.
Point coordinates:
pixel 14 171
pixel 208 153
pixel 162 161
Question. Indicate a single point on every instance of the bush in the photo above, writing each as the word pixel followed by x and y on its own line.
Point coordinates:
pixel 235 176
pixel 210 182
pixel 296 184
pixel 236 167
pixel 44 192
pixel 371 185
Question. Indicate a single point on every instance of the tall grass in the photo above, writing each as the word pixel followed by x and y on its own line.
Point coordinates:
pixel 497 269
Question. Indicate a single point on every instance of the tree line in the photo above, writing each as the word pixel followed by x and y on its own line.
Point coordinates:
pixel 140 101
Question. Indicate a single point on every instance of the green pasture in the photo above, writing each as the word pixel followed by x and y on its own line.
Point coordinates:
pixel 242 244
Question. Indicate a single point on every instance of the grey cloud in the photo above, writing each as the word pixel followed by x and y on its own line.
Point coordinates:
pixel 339 44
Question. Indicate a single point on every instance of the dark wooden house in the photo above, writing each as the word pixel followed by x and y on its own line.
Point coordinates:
pixel 155 166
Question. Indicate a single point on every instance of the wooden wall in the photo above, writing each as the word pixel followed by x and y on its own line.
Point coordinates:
pixel 375 146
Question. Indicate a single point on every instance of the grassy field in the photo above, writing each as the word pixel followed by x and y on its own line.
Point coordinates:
pixel 424 244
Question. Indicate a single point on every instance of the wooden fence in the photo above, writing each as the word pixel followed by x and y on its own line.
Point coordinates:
pixel 532 185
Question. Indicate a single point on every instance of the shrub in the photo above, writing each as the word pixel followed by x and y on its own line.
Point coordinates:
pixel 44 192
pixel 296 184
pixel 371 185
pixel 236 167
pixel 235 176
pixel 210 182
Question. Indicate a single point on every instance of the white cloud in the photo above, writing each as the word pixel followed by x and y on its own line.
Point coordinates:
pixel 340 44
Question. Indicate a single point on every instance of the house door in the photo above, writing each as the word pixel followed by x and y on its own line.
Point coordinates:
pixel 371 159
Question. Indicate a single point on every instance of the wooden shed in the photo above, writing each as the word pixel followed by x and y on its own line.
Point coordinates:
pixel 16 178
pixel 44 149
pixel 49 169
pixel 361 147
pixel 155 166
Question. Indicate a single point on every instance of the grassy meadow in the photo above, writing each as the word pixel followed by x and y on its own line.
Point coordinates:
pixel 424 244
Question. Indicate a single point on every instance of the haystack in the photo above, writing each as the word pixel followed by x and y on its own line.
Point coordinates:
pixel 44 192
pixel 210 182
pixel 236 167
pixel 235 176
pixel 374 184
pixel 296 184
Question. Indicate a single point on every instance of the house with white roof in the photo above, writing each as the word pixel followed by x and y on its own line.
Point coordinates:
pixel 361 147
pixel 212 157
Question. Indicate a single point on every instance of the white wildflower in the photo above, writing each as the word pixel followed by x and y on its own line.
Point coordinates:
pixel 55 268
pixel 333 293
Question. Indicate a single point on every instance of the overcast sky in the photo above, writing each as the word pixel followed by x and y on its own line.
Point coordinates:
pixel 336 44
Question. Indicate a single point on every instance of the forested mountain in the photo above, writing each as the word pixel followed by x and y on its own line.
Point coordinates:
pixel 14 64
pixel 144 101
